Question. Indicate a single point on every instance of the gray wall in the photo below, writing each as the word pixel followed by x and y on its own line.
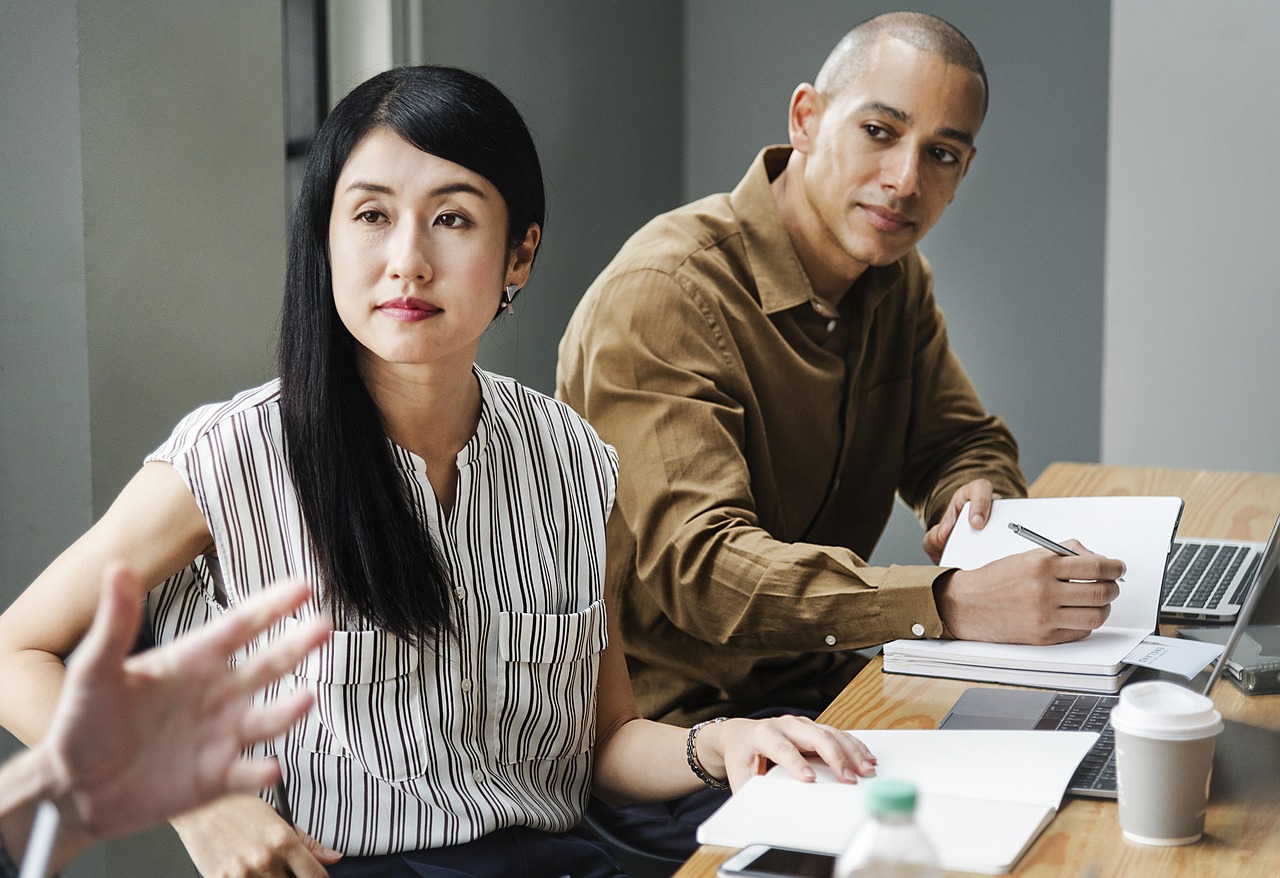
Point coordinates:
pixel 44 375
pixel 1192 299
pixel 1018 256
pixel 600 84
pixel 141 254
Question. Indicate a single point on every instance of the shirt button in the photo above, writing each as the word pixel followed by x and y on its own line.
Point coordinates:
pixel 829 640
pixel 466 685
pixel 917 629
pixel 479 776
pixel 460 592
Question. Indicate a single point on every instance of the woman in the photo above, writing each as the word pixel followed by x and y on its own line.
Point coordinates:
pixel 452 520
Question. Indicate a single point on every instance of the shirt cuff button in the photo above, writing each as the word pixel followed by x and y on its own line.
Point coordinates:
pixel 917 629
pixel 829 640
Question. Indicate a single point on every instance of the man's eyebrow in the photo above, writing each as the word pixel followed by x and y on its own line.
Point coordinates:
pixel 446 189
pixel 905 118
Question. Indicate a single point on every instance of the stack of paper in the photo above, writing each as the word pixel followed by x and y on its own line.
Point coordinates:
pixel 984 796
pixel 1137 530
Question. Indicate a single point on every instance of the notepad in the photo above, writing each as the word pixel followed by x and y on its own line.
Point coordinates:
pixel 1137 530
pixel 984 796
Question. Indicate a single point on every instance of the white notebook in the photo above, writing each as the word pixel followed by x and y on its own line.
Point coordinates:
pixel 984 796
pixel 1137 530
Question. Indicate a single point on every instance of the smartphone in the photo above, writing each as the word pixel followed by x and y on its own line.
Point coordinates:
pixel 762 861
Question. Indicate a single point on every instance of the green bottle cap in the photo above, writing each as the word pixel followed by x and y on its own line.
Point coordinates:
pixel 889 796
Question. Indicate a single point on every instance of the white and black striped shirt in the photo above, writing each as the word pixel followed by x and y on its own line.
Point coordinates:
pixel 408 747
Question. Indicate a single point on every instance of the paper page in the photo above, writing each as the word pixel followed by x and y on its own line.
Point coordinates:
pixel 1137 530
pixel 1014 766
pixel 984 795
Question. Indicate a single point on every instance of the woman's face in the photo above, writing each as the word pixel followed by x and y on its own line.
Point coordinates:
pixel 419 254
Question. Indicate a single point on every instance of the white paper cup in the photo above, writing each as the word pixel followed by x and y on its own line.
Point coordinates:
pixel 1164 758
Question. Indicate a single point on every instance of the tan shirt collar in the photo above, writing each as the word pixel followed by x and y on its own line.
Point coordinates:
pixel 779 276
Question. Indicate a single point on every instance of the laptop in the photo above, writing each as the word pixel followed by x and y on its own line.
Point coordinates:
pixel 1208 580
pixel 984 708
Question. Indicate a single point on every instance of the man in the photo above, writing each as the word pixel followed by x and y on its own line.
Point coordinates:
pixel 772 367
pixel 134 741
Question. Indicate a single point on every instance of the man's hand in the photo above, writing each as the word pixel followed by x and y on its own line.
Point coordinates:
pixel 1035 597
pixel 135 740
pixel 978 494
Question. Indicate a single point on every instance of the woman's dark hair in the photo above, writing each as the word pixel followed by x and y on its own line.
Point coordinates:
pixel 374 554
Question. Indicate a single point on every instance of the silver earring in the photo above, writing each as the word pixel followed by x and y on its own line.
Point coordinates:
pixel 509 296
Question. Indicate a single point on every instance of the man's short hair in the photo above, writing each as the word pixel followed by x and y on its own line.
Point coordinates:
pixel 926 32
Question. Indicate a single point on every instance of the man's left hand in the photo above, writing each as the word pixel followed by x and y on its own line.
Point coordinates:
pixel 978 494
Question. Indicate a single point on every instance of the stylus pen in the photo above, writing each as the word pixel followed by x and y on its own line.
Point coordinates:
pixel 1044 542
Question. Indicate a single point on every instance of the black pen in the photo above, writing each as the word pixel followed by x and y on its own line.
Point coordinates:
pixel 1044 542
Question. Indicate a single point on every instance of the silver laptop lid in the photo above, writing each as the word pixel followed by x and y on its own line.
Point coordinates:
pixel 1270 555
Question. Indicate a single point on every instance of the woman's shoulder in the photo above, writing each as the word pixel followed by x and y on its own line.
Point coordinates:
pixel 249 413
pixel 546 415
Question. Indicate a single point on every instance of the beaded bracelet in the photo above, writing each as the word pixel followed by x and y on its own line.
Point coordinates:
pixel 691 753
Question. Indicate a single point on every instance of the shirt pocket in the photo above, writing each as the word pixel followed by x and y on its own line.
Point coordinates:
pixel 551 667
pixel 368 703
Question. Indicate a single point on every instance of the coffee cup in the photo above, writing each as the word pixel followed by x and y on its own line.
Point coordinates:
pixel 1165 736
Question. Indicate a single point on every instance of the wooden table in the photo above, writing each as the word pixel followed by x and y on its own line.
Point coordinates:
pixel 1242 826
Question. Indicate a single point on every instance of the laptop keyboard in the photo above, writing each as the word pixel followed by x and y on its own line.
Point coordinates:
pixel 1200 573
pixel 1070 712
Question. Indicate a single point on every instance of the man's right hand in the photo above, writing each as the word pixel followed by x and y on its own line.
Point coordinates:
pixel 241 836
pixel 1036 597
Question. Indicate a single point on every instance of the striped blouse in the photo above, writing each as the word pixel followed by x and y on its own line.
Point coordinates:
pixel 411 748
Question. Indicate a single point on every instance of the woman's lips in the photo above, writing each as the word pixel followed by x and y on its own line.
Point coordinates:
pixel 408 309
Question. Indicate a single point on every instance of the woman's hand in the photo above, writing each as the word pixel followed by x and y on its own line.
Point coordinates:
pixel 243 837
pixel 731 748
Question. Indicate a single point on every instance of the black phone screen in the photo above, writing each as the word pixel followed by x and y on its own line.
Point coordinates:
pixel 782 863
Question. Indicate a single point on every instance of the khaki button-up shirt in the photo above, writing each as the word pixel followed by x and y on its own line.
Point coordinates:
pixel 762 436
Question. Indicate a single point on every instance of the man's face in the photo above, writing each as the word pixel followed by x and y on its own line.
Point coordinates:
pixel 883 158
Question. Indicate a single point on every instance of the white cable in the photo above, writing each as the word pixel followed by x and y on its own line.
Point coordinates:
pixel 44 831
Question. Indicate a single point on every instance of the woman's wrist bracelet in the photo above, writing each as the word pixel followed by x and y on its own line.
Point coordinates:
pixel 691 753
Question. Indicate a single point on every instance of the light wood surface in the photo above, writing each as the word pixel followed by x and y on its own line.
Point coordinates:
pixel 1242 826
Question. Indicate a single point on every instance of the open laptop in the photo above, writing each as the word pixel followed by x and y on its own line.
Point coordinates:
pixel 1209 580
pixel 985 708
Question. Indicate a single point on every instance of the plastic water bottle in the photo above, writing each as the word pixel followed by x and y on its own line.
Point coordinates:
pixel 889 844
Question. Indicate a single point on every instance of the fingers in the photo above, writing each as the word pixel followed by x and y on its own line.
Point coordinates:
pixel 283 654
pixel 325 855
pixel 848 757
pixel 789 741
pixel 115 624
pixel 272 720
pixel 981 494
pixel 251 618
pixel 252 775
pixel 1087 566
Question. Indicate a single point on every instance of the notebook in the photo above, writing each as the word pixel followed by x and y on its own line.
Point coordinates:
pixel 1208 580
pixel 984 796
pixel 1136 529
pixel 981 708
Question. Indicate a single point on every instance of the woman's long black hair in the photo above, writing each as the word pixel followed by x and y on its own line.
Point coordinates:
pixel 375 557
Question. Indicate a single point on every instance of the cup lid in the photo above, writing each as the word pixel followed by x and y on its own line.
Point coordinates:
pixel 1164 710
